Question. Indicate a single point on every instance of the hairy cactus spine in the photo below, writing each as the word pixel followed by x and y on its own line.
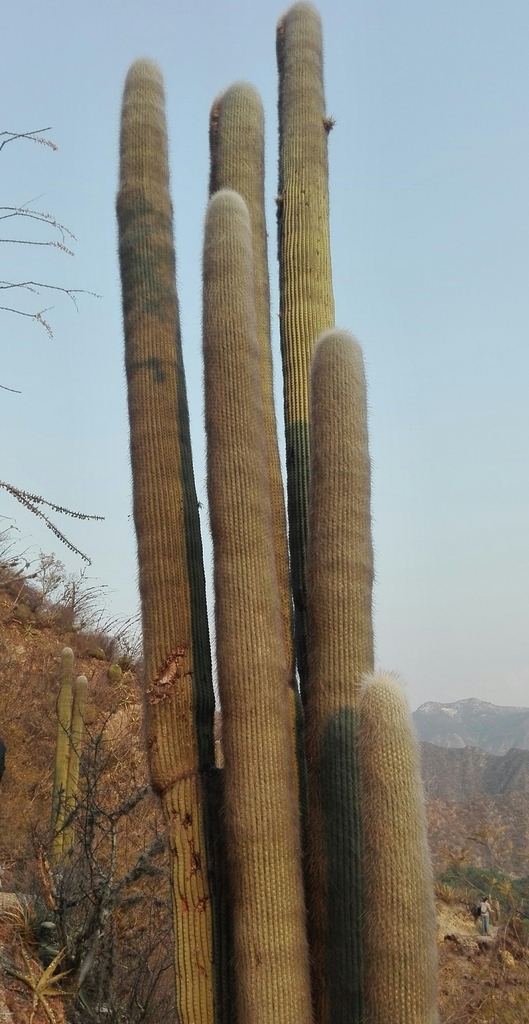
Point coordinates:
pixel 76 742
pixel 306 299
pixel 62 750
pixel 177 683
pixel 340 651
pixel 400 949
pixel 270 948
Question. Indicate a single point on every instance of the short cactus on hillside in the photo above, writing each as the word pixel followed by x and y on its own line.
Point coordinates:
pixel 62 752
pixel 71 710
pixel 114 673
pixel 77 729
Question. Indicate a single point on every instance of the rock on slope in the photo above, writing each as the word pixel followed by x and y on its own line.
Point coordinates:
pixel 467 772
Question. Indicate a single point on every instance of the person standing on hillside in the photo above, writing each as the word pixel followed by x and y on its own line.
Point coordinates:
pixel 485 911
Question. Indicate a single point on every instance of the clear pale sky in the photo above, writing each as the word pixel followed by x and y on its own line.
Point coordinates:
pixel 430 241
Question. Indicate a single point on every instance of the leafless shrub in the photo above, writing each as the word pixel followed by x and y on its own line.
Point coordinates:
pixel 108 901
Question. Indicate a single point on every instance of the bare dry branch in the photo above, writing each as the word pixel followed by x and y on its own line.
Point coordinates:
pixel 38 215
pixel 35 136
pixel 32 502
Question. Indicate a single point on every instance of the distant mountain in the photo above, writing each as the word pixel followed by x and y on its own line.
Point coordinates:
pixel 474 723
pixel 467 773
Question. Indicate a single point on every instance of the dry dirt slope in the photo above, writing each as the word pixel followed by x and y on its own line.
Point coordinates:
pixel 30 651
pixel 478 982
pixel 481 980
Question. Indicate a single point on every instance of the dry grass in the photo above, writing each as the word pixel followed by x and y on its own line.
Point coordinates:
pixel 445 893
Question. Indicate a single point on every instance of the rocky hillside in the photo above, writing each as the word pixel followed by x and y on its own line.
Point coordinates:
pixel 499 825
pixel 31 641
pixel 110 896
pixel 469 792
pixel 464 773
pixel 474 723
pixel 482 980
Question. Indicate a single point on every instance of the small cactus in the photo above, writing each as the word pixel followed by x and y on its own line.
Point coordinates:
pixel 76 742
pixel 97 653
pixel 62 752
pixel 114 673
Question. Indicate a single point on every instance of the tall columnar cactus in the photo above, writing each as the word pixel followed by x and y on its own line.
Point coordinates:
pixel 80 691
pixel 270 947
pixel 238 163
pixel 340 651
pixel 381 792
pixel 62 752
pixel 178 688
pixel 306 299
pixel 400 924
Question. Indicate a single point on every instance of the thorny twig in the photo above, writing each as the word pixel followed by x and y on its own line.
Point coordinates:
pixel 32 502
pixel 34 136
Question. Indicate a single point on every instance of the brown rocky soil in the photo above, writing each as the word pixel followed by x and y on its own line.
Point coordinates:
pixel 483 980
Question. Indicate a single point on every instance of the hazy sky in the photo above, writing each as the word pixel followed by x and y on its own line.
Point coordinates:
pixel 430 243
